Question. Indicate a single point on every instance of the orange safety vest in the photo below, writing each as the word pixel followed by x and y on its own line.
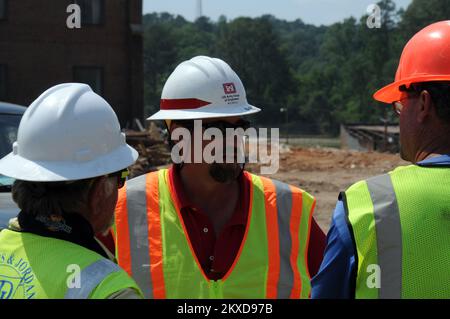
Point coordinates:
pixel 154 248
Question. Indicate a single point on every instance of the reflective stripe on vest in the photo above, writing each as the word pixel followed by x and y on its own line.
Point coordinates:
pixel 285 218
pixel 91 277
pixel 135 252
pixel 286 223
pixel 388 236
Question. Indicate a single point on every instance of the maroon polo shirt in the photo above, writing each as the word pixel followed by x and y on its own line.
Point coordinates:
pixel 217 252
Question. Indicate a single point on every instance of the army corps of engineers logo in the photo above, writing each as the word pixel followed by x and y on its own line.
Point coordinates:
pixel 16 278
pixel 231 95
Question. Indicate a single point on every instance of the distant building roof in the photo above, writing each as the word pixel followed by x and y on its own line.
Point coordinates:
pixel 391 129
pixel 370 137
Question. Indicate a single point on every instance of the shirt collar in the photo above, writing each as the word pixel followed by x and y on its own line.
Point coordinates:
pixel 436 161
pixel 70 227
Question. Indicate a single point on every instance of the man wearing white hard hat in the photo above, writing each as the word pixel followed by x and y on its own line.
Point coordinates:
pixel 69 160
pixel 213 230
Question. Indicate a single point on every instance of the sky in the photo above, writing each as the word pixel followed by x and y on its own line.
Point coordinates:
pixel 315 12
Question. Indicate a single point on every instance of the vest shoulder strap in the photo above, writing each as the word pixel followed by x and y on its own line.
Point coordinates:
pixel 283 189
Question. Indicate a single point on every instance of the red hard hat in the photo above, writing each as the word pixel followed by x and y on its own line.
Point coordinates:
pixel 425 58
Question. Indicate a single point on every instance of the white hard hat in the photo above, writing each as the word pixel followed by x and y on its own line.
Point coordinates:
pixel 200 88
pixel 68 133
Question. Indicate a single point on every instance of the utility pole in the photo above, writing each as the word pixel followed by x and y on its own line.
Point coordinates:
pixel 285 110
pixel 385 121
pixel 199 9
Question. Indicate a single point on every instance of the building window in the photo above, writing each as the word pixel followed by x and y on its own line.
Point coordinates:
pixel 2 9
pixel 91 75
pixel 3 82
pixel 92 11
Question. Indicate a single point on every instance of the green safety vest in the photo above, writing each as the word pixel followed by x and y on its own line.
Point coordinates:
pixel 37 267
pixel 153 245
pixel 401 227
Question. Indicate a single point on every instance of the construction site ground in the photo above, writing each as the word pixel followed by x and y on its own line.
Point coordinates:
pixel 324 172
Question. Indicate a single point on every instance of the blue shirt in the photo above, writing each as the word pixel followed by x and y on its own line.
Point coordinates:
pixel 337 274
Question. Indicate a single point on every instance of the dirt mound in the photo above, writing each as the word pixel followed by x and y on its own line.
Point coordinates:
pixel 324 172
pixel 308 159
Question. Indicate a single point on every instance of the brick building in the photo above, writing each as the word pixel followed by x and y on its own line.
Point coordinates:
pixel 38 50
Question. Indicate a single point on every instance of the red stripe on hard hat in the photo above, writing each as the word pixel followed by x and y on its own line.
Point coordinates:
pixel 182 104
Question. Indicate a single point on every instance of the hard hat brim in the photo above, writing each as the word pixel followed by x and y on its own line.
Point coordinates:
pixel 388 94
pixel 391 92
pixel 20 168
pixel 205 112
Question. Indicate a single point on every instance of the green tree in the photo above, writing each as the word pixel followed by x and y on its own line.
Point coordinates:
pixel 421 13
pixel 159 58
pixel 325 75
pixel 251 47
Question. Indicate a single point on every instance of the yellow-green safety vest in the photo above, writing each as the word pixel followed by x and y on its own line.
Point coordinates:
pixel 401 226
pixel 154 248
pixel 37 267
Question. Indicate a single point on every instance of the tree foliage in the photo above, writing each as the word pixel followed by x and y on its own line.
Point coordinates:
pixel 323 75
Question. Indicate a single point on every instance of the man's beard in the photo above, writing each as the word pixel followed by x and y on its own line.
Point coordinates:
pixel 225 172
pixel 228 172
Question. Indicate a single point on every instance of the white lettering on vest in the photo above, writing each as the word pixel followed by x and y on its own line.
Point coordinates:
pixel 74 279
pixel 373 280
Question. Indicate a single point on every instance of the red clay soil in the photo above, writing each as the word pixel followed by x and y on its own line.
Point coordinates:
pixel 324 172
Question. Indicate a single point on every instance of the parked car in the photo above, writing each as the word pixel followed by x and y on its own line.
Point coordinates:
pixel 10 115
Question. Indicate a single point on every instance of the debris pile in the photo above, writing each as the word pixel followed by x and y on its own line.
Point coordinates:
pixel 152 147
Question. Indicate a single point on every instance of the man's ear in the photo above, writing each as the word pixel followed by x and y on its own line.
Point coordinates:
pixel 96 194
pixel 425 106
pixel 168 123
